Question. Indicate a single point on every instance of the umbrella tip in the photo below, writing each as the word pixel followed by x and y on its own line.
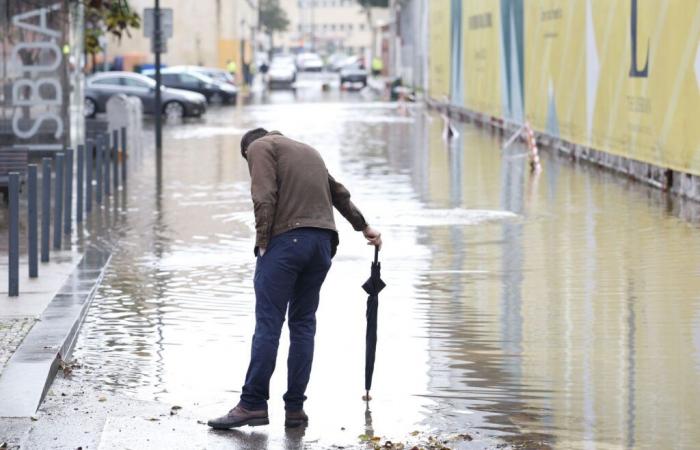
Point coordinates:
pixel 366 397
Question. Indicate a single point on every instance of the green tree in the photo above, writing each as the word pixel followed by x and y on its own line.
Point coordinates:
pixel 367 6
pixel 272 18
pixel 107 17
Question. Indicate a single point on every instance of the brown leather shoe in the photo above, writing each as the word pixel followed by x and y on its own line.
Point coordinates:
pixel 295 419
pixel 239 417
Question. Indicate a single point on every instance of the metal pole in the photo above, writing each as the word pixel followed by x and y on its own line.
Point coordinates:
pixel 79 184
pixel 158 108
pixel 115 159
pixel 98 168
pixel 13 270
pixel 32 221
pixel 91 146
pixel 107 160
pixel 45 208
pixel 69 193
pixel 58 202
pixel 123 142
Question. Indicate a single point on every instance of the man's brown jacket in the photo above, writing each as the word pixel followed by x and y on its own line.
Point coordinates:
pixel 291 188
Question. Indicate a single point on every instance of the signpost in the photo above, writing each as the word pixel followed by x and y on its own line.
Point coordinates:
pixel 158 25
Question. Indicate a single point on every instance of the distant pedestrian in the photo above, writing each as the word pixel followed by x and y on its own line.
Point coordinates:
pixel 293 198
pixel 232 67
pixel 377 66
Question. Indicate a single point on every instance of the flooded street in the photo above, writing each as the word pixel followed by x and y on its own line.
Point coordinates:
pixel 552 311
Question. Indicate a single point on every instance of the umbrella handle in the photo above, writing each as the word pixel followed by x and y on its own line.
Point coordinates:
pixel 376 254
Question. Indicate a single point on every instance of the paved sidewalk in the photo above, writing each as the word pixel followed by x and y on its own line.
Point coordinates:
pixel 12 331
pixel 19 314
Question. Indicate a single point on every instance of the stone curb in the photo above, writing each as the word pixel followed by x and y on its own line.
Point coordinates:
pixel 30 371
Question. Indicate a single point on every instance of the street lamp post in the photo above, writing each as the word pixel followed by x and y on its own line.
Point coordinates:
pixel 158 108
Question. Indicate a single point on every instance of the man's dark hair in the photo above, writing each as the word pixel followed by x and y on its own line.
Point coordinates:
pixel 248 139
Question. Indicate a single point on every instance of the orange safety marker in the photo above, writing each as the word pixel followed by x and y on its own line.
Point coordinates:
pixel 533 152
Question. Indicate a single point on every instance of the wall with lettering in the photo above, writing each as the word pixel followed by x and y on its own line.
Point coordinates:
pixel 618 76
pixel 36 75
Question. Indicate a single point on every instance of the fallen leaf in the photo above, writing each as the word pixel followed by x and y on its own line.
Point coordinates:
pixel 415 433
pixel 153 419
pixel 376 438
pixel 34 419
pixel 176 407
pixel 363 438
pixel 102 399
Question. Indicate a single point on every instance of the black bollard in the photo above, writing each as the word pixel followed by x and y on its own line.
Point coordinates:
pixel 32 222
pixel 13 269
pixel 123 142
pixel 91 146
pixel 68 202
pixel 79 184
pixel 98 168
pixel 45 208
pixel 107 160
pixel 58 202
pixel 115 159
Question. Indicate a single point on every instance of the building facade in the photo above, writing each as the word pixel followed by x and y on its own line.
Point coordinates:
pixel 329 26
pixel 206 32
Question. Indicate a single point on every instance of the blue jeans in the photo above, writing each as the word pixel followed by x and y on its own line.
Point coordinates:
pixel 290 274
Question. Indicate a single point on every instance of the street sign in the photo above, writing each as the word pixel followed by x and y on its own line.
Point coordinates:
pixel 166 23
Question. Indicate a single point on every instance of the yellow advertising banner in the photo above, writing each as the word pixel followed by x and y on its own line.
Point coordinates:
pixel 622 77
pixel 439 44
pixel 481 33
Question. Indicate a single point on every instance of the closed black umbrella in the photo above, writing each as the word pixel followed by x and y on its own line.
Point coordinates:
pixel 373 287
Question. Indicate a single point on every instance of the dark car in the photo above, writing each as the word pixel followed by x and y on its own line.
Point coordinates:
pixel 176 103
pixel 215 91
pixel 354 73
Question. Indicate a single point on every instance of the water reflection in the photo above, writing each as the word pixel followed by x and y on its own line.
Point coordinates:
pixel 552 310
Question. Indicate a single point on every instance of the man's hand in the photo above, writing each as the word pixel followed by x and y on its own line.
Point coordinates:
pixel 373 237
pixel 261 251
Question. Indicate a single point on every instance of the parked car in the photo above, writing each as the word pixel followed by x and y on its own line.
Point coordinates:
pixel 348 61
pixel 176 103
pixel 355 73
pixel 213 72
pixel 309 62
pixel 332 64
pixel 215 91
pixel 282 72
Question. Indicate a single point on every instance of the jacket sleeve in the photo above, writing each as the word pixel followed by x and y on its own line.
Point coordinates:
pixel 263 189
pixel 341 201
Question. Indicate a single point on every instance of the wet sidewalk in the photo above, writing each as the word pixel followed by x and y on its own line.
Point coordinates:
pixel 18 314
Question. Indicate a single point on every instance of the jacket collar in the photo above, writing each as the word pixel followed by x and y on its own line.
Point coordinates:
pixel 274 133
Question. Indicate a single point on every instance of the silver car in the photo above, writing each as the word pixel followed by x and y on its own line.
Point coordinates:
pixel 176 103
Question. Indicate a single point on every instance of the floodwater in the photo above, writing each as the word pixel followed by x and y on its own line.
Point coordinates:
pixel 552 311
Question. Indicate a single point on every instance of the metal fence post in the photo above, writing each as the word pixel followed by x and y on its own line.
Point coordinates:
pixel 32 219
pixel 91 146
pixel 115 159
pixel 107 161
pixel 68 207
pixel 58 202
pixel 45 208
pixel 123 142
pixel 98 168
pixel 79 184
pixel 13 269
